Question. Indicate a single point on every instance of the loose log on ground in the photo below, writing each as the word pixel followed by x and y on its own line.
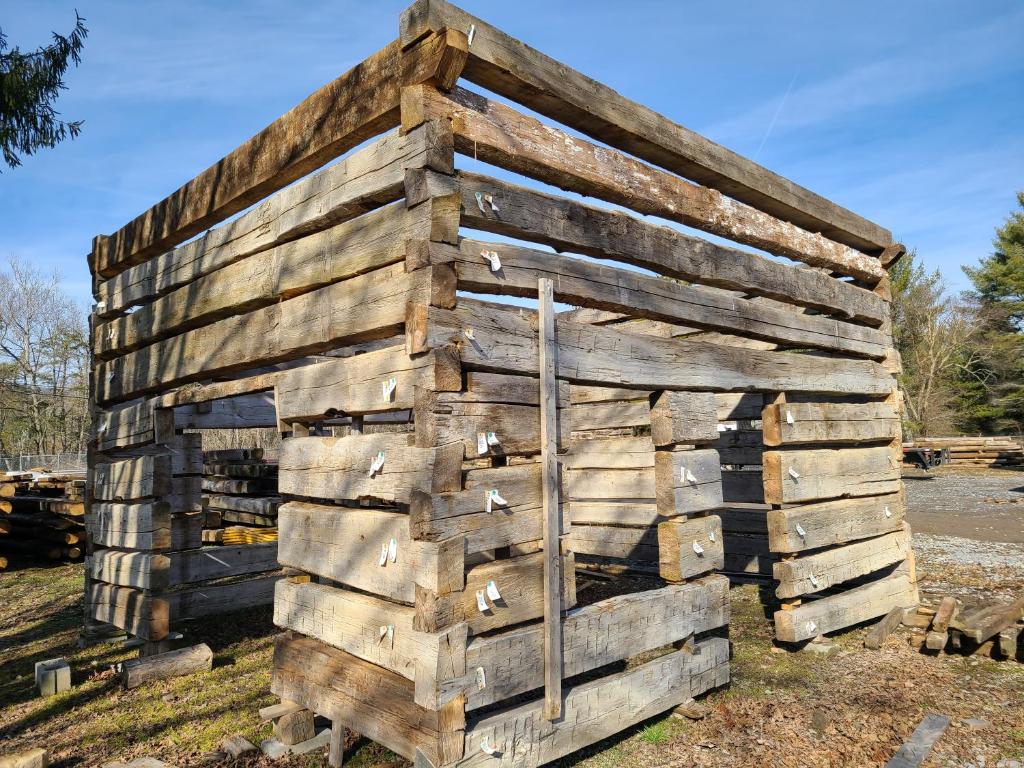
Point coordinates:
pixel 136 672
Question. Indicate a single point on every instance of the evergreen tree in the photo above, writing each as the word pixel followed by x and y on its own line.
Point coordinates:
pixel 999 294
pixel 29 84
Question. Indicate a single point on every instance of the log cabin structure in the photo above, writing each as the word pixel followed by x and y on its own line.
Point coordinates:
pixel 449 446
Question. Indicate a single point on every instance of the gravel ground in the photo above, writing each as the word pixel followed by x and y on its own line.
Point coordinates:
pixel 984 505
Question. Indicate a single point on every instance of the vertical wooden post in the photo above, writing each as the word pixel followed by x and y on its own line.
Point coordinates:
pixel 336 753
pixel 552 518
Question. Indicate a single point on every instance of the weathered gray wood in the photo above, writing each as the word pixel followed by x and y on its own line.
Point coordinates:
pixel 567 225
pixel 132 610
pixel 878 633
pixel 821 570
pixel 598 708
pixel 609 453
pixel 919 745
pixel 733 406
pixel 440 516
pixel 635 544
pixel 185 661
pixel 679 418
pixel 257 506
pixel 361 103
pixel 743 446
pixel 504 340
pixel 687 481
pixel 938 634
pixel 215 599
pixel 825 473
pixel 550 481
pixel 339 467
pixel 513 69
pixel 587 284
pixel 345 544
pixel 370 306
pixel 132 425
pixel 611 485
pixel 145 527
pixel 688 548
pixel 364 244
pixel 631 513
pixel 630 624
pixel 627 413
pixel 834 522
pixel 845 609
pixel 498 134
pixel 801 423
pixel 160 571
pixel 242 412
pixel 129 479
pixel 370 177
pixel 353 385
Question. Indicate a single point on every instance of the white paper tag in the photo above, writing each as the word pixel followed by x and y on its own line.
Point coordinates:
pixel 481 602
pixel 480 202
pixel 711 535
pixel 490 202
pixel 888 512
pixel 391 635
pixel 382 632
pixel 800 531
pixel 481 678
pixel 698 548
pixel 812 627
pixel 493 497
pixel 488 749
pixel 492 592
pixel 722 428
pixel 393 550
pixel 492 439
pixel 469 334
pixel 814 581
pixel 376 464
pixel 686 476
pixel 383 554
pixel 101 305
pixel 471 34
pixel 388 389
pixel 794 474
pixel 789 417
pixel 493 258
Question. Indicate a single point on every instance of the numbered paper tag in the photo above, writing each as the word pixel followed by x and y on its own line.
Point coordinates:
pixel 493 497
pixel 393 550
pixel 814 581
pixel 888 512
pixel 492 439
pixel 490 202
pixel 686 476
pixel 376 464
pixel 481 602
pixel 794 474
pixel 480 201
pixel 698 548
pixel 481 678
pixel 492 592
pixel 383 554
pixel 789 417
pixel 388 389
pixel 481 443
pixel 800 531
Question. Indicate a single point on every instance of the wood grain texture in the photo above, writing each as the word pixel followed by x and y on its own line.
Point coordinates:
pixel 810 474
pixel 687 481
pixel 503 341
pixel 688 548
pixel 566 225
pixel 132 610
pixel 518 72
pixel 804 423
pixel 834 522
pixel 370 177
pixel 681 418
pixel 497 134
pixel 358 105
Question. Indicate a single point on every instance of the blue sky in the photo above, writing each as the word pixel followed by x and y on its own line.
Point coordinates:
pixel 909 113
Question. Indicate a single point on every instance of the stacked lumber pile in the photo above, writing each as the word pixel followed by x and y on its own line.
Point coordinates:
pixel 435 608
pixel 42 514
pixel 240 498
pixel 992 628
pixel 998 451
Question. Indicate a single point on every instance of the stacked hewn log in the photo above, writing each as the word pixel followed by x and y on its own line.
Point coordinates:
pixel 240 498
pixel 998 451
pixel 42 514
pixel 434 608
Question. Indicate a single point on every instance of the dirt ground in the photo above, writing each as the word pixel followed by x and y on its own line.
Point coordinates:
pixel 847 707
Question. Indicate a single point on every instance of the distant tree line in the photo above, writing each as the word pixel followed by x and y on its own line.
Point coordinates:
pixel 44 358
pixel 963 356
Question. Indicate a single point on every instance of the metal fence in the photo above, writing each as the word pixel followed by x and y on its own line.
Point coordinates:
pixel 53 462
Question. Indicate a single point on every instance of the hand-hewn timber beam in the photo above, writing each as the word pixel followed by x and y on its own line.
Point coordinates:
pixel 361 103
pixel 513 69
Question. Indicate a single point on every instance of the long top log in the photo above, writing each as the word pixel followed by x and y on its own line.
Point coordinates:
pixel 513 69
pixel 361 103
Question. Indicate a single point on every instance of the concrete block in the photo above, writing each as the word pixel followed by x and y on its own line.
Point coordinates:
pixel 53 676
